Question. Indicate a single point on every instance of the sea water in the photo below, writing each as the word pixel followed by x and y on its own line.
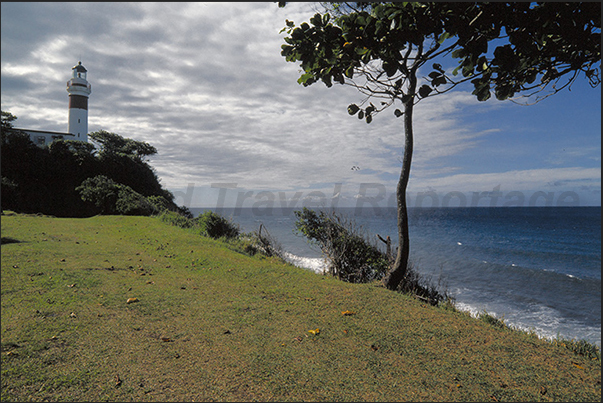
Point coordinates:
pixel 536 268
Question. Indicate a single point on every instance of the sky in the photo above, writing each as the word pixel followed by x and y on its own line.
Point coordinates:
pixel 205 84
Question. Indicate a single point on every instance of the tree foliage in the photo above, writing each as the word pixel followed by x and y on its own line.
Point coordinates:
pixel 536 47
pixel 113 144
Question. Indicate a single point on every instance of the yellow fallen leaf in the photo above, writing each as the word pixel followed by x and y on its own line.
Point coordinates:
pixel 348 313
pixel 577 366
pixel 130 300
pixel 315 331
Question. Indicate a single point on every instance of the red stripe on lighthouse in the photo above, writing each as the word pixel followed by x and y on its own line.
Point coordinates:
pixel 78 102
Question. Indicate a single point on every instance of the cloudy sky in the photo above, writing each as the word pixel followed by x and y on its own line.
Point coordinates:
pixel 206 85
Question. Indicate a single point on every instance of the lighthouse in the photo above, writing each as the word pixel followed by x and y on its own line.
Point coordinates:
pixel 79 90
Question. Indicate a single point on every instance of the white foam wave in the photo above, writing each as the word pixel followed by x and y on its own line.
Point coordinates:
pixel 315 264
pixel 473 311
pixel 542 320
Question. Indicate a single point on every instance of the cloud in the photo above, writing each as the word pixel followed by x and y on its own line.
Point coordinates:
pixel 520 180
pixel 206 85
pixel 566 155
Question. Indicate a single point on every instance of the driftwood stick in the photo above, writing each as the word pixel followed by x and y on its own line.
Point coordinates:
pixel 388 247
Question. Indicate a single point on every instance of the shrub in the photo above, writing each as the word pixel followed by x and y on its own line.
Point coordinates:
pixel 349 255
pixel 215 226
pixel 114 198
pixel 422 288
pixel 492 320
pixel 159 203
pixel 183 210
pixel 176 219
pixel 101 191
pixel 261 241
pixel 44 179
pixel 130 202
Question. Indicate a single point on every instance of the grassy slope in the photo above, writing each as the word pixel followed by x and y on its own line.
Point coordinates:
pixel 238 327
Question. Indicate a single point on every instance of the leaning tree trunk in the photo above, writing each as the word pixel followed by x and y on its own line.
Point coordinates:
pixel 398 272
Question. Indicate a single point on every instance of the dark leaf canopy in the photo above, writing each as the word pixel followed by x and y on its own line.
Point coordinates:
pixel 504 48
pixel 111 143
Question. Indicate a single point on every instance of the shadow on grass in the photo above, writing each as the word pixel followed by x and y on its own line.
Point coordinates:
pixel 7 240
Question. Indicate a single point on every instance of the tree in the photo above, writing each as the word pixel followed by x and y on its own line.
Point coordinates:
pixel 111 143
pixel 6 121
pixel 124 160
pixel 101 191
pixel 9 134
pixel 382 50
pixel 114 198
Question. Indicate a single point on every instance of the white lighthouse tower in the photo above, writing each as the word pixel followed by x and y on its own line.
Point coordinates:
pixel 79 90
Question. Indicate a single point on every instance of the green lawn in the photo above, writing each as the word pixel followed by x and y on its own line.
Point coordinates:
pixel 213 324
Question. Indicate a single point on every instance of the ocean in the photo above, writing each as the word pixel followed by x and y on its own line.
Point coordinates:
pixel 536 268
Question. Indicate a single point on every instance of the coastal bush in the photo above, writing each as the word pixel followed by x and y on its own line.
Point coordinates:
pixel 184 211
pixel 111 197
pixel 101 191
pixel 130 202
pixel 216 226
pixel 350 257
pixel 176 219
pixel 422 288
pixel 159 203
pixel 261 241
pixel 492 320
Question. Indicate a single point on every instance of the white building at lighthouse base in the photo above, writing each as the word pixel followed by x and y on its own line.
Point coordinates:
pixel 42 138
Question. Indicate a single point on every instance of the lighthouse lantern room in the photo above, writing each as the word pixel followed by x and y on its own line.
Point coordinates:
pixel 79 90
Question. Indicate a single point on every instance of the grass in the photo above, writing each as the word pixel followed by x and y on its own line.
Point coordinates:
pixel 214 324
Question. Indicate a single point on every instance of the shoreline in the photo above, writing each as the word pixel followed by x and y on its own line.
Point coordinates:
pixel 475 309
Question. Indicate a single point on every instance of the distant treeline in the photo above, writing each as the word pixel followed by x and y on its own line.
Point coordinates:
pixel 78 179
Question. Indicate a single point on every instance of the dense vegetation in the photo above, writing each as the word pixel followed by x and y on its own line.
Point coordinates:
pixel 350 257
pixel 68 178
